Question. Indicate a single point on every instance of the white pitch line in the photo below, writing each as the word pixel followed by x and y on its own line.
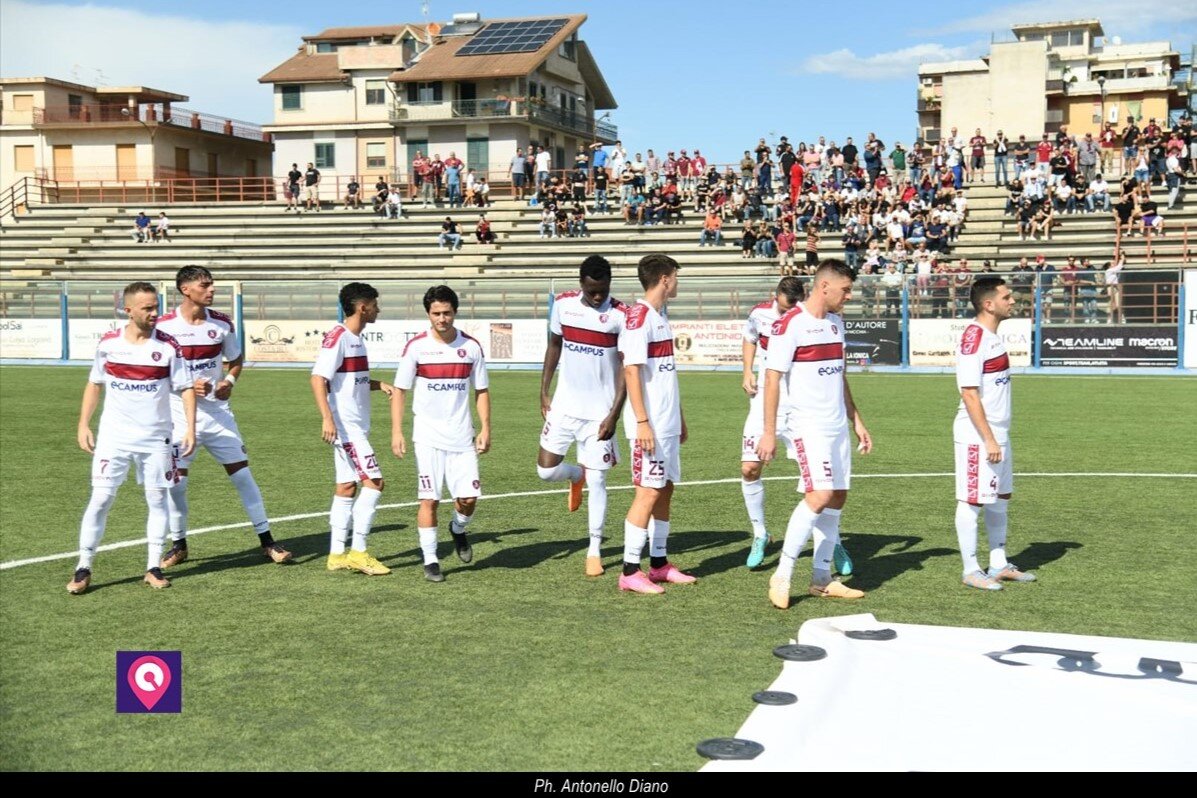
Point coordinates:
pixel 305 516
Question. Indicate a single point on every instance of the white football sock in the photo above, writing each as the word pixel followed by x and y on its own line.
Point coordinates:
pixel 251 499
pixel 178 510
pixel 596 509
pixel 562 472
pixel 660 536
pixel 460 522
pixel 995 527
pixel 339 519
pixel 802 523
pixel 91 530
pixel 634 538
pixel 156 524
pixel 363 515
pixel 966 535
pixel 428 544
pixel 754 501
pixel 827 534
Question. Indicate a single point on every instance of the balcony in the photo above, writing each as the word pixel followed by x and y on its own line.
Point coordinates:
pixel 577 122
pixel 151 115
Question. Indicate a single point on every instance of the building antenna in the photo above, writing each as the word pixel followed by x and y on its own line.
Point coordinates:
pixel 424 9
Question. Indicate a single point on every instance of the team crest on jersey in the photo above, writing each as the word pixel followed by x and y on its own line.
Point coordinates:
pixel 461 353
pixel 156 356
pixel 212 334
pixel 477 484
pixel 834 330
pixel 603 318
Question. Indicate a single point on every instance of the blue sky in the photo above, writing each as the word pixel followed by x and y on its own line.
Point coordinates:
pixel 695 74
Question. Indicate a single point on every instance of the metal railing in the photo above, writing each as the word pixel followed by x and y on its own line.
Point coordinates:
pixel 577 121
pixel 148 114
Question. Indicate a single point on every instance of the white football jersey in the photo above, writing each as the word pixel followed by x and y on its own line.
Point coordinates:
pixel 343 362
pixel 758 327
pixel 809 352
pixel 205 347
pixel 139 378
pixel 439 376
pixel 982 363
pixel 647 340
pixel 589 357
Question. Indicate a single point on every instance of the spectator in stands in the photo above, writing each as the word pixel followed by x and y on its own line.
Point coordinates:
pixel 1064 198
pixel 1087 156
pixel 633 209
pixel 600 190
pixel 1043 221
pixel 712 229
pixel 766 241
pixel 449 234
pixel 598 158
pixel 812 247
pixel 1099 192
pixel 748 237
pixel 1068 285
pixel 976 164
pixel 1045 273
pixel 517 174
pixel 577 221
pixel 482 231
pixel 530 168
pixel 1022 156
pixel 786 243
pixel 1149 214
pixel 962 281
pixel 1001 156
pixel 1125 211
pixel 162 228
pixel 379 201
pixel 311 187
pixel 452 178
pixel 1113 281
pixel 483 192
pixel 582 159
pixel 353 194
pixel 1014 195
pixel 548 217
pixel 293 178
pixel 764 178
pixel 941 290
pixel 897 157
pixel 1022 282
pixel 421 169
pixel 1086 282
pixel 393 207
pixel 544 163
pixel 141 228
pixel 438 176
pixel 891 283
pixel 1174 176
pixel 578 182
pixel 1142 167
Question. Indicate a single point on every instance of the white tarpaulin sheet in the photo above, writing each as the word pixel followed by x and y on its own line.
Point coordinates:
pixel 940 698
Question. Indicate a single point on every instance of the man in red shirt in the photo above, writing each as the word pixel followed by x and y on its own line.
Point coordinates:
pixel 684 175
pixel 438 171
pixel 1043 150
pixel 976 165
pixel 421 168
pixel 1109 141
pixel 797 173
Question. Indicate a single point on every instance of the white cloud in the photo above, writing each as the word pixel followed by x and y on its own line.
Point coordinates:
pixel 1117 17
pixel 884 66
pixel 217 64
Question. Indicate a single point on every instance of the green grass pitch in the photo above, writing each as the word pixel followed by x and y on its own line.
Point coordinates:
pixel 518 662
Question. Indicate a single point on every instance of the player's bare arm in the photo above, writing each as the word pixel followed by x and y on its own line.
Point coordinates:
pixel 187 444
pixel 766 447
pixel 386 388
pixel 552 357
pixel 858 425
pixel 328 428
pixel 644 428
pixel 224 388
pixel 748 354
pixel 398 406
pixel 482 402
pixel 611 422
pixel 685 431
pixel 91 400
pixel 976 414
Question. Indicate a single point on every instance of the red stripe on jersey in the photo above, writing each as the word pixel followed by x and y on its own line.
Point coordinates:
pixel 579 335
pixel 221 317
pixel 201 352
pixel 359 363
pixel 660 348
pixel 766 305
pixel 444 371
pixel 819 352
pixel 763 341
pixel 999 363
pixel 974 463
pixel 108 336
pixel 412 341
pixel 330 337
pixel 128 371
pixel 803 466
pixel 779 326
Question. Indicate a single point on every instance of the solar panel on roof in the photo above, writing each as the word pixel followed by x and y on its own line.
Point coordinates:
pixel 513 37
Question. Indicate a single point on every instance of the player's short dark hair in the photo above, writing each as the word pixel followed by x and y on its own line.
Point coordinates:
pixel 440 293
pixel 597 268
pixel 792 289
pixel 984 288
pixel 653 267
pixel 354 294
pixel 832 266
pixel 139 287
pixel 191 274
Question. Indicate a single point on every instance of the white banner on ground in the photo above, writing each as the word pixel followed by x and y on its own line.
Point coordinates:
pixel 937 698
pixel 85 335
pixel 515 341
pixel 1190 353
pixel 934 342
pixel 31 338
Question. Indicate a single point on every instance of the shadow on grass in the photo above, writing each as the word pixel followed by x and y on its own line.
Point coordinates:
pixel 1037 555
pixel 445 547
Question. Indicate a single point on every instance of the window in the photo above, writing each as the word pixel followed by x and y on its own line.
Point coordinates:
pixel 376 155
pixel 325 47
pixel 569 48
pixel 74 106
pixel 376 92
pixel 478 155
pixel 326 155
pixel 22 102
pixel 429 92
pixel 1068 38
pixel 408 43
pixel 22 156
pixel 292 97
